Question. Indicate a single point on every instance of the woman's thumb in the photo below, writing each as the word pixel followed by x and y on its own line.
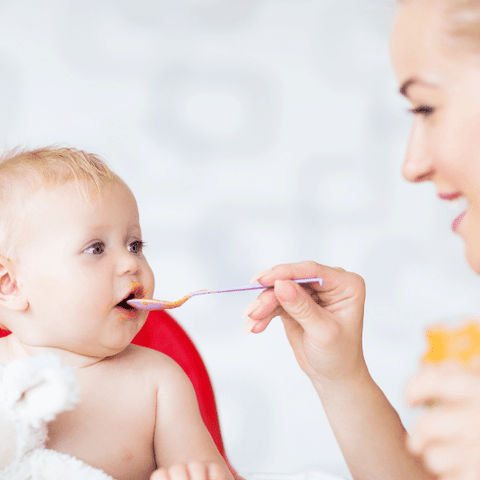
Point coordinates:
pixel 296 301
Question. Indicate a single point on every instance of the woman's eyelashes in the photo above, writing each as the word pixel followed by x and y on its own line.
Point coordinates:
pixel 97 248
pixel 422 110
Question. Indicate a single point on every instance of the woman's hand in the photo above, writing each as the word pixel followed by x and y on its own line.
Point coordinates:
pixel 323 323
pixel 447 436
pixel 193 471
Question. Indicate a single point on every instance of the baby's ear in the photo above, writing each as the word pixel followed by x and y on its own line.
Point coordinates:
pixel 11 296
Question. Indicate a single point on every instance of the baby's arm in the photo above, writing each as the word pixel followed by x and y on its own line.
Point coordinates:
pixel 183 446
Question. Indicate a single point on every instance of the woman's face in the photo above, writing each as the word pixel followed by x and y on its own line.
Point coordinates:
pixel 441 80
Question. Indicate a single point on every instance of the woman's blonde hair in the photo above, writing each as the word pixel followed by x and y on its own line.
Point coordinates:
pixel 463 21
pixel 23 173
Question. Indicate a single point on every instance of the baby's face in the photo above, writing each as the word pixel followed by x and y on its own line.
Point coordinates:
pixel 76 264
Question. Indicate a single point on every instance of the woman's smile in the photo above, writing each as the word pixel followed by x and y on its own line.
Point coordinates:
pixel 441 82
pixel 458 203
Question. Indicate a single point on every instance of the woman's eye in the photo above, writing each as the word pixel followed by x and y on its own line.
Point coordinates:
pixel 422 110
pixel 95 249
pixel 136 246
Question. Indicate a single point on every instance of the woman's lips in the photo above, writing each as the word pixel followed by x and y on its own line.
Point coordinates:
pixel 457 200
pixel 457 221
pixel 450 196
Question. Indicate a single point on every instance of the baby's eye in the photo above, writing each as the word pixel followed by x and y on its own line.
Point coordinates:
pixel 136 246
pixel 422 110
pixel 96 248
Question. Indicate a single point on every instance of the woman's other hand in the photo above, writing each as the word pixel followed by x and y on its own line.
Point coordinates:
pixel 447 436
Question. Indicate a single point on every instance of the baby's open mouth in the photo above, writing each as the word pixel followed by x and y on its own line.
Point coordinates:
pixel 136 291
pixel 124 304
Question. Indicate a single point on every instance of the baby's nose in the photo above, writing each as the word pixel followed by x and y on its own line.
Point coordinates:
pixel 127 264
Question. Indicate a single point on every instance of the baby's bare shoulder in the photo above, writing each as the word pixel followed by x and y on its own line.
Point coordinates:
pixel 174 390
pixel 147 361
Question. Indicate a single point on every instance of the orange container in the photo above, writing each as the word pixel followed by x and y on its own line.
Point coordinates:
pixel 459 344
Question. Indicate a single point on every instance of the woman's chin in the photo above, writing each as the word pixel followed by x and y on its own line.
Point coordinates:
pixel 473 257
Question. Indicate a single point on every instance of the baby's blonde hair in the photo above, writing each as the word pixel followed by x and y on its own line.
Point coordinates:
pixel 23 173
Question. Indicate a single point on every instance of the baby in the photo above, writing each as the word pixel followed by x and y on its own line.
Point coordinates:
pixel 71 251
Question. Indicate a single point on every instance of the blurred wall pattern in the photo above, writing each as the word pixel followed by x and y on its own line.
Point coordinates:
pixel 253 132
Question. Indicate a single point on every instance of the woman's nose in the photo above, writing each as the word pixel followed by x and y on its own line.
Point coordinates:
pixel 417 165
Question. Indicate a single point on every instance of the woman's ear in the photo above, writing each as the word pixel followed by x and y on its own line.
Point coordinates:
pixel 11 296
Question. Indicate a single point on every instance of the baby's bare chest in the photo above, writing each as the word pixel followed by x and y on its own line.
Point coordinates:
pixel 112 427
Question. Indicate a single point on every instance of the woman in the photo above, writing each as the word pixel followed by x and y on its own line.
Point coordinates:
pixel 436 57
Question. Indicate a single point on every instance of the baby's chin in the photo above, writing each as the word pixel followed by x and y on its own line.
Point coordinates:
pixel 91 351
pixel 80 358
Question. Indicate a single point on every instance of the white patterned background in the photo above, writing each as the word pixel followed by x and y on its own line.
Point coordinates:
pixel 253 132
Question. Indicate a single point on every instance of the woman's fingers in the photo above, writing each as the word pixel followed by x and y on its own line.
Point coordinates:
pixel 286 299
pixel 291 271
pixel 260 275
pixel 446 437
pixel 261 312
pixel 447 382
pixel 437 425
pixel 266 307
pixel 342 293
pixel 259 325
pixel 296 301
pixel 442 459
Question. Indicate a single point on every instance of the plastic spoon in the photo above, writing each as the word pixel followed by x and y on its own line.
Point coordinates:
pixel 151 304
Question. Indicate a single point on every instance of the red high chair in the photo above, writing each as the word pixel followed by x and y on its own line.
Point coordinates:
pixel 161 332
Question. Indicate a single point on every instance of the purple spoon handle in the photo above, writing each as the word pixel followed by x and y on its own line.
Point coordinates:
pixel 252 286
pixel 151 304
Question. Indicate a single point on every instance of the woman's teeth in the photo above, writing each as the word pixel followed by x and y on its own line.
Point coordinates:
pixel 458 205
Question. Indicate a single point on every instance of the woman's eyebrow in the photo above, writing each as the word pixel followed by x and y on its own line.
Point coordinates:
pixel 404 87
pixel 412 81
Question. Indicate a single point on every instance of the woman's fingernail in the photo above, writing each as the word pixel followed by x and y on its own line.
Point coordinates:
pixel 258 275
pixel 249 325
pixel 252 307
pixel 285 291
